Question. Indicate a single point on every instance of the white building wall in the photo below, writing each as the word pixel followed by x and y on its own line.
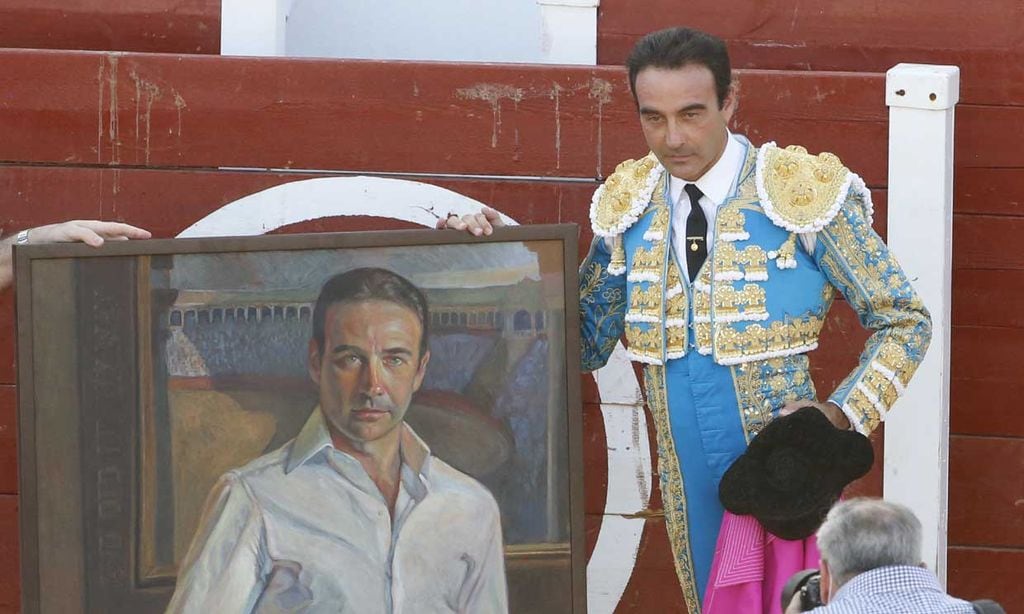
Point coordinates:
pixel 443 30
pixel 531 31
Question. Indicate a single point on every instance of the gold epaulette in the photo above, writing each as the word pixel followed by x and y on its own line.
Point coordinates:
pixel 802 192
pixel 619 202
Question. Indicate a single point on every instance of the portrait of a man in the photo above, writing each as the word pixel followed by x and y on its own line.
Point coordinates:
pixel 353 422
pixel 354 514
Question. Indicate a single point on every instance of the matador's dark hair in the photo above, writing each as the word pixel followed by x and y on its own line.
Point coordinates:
pixel 678 47
pixel 367 284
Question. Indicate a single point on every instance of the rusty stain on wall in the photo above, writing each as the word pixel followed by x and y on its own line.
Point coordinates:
pixel 148 92
pixel 179 105
pixel 556 93
pixel 152 92
pixel 492 93
pixel 99 113
pixel 601 94
pixel 113 129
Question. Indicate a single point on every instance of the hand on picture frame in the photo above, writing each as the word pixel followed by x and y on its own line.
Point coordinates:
pixel 477 224
pixel 90 232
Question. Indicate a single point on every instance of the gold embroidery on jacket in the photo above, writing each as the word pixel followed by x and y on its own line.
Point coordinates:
pixel 659 224
pixel 754 407
pixel 726 261
pixel 732 304
pixel 619 193
pixel 676 309
pixel 864 409
pixel 673 493
pixel 764 386
pixel 676 313
pixel 644 341
pixel 617 263
pixel 702 336
pixel 702 311
pixel 894 357
pixel 674 277
pixel 645 302
pixel 732 264
pixel 755 263
pixel 803 188
pixel 869 276
pixel 675 339
pixel 755 341
pixel 647 263
pixel 730 224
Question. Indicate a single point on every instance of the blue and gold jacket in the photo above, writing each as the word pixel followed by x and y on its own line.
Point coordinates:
pixel 796 229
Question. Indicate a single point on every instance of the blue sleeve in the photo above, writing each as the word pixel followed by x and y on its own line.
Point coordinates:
pixel 602 307
pixel 858 263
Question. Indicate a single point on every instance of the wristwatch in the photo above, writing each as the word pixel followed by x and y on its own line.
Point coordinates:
pixel 22 238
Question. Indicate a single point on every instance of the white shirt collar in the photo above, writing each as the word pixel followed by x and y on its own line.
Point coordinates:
pixel 314 437
pixel 718 182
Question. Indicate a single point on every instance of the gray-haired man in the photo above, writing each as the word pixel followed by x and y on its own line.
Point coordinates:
pixel 871 563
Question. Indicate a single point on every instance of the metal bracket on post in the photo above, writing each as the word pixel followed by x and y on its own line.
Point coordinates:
pixel 921 100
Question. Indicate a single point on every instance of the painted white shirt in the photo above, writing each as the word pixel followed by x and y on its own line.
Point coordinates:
pixel 305 529
pixel 717 184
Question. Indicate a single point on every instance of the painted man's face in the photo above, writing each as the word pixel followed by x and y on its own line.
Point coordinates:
pixel 681 119
pixel 369 368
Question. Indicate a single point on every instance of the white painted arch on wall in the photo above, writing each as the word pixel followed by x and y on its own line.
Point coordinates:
pixel 629 460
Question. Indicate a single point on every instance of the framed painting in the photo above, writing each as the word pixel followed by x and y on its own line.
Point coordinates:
pixel 346 422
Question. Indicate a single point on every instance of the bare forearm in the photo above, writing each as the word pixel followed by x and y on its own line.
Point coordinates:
pixel 90 232
pixel 6 262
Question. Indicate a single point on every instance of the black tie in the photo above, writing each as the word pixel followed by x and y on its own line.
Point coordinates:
pixel 696 232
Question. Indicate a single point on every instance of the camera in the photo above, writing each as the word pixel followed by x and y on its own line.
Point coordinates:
pixel 807 584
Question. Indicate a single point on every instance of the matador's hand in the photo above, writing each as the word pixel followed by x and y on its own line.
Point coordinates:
pixel 831 411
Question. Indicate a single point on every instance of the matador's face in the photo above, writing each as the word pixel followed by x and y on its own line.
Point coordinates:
pixel 682 121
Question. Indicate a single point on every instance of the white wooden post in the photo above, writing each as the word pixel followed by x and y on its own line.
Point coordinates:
pixel 569 31
pixel 253 27
pixel 921 99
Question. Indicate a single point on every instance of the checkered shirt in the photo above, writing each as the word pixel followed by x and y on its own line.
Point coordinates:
pixel 894 590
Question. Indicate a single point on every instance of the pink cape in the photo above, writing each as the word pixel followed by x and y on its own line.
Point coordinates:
pixel 751 566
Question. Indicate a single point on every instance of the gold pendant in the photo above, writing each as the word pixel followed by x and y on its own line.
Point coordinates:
pixel 693 246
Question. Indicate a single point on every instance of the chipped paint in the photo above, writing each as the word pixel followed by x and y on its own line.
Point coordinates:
pixel 492 93
pixel 113 129
pixel 556 95
pixel 642 470
pixel 99 113
pixel 601 94
pixel 152 92
pixel 179 105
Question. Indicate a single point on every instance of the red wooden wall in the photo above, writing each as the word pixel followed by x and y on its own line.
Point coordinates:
pixel 140 137
pixel 167 26
pixel 145 138
pixel 986 499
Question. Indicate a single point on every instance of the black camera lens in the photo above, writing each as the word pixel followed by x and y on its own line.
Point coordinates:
pixel 810 593
pixel 808 584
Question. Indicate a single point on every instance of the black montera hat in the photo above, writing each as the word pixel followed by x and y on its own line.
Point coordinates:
pixel 793 471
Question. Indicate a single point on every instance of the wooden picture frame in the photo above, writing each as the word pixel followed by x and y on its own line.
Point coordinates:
pixel 147 368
